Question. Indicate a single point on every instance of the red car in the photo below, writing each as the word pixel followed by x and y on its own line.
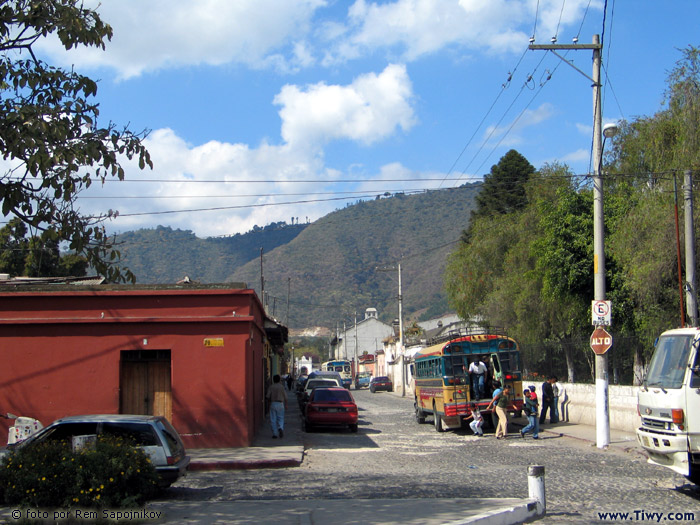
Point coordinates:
pixel 330 407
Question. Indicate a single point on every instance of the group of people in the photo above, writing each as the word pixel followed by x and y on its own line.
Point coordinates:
pixel 531 409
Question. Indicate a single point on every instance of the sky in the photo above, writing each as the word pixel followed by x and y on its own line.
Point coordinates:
pixel 260 111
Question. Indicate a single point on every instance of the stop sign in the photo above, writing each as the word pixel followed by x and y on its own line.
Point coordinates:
pixel 601 341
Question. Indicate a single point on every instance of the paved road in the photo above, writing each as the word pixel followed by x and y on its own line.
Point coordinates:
pixel 392 456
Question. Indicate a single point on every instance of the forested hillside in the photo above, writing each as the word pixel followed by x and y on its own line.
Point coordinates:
pixel 340 264
pixel 328 269
pixel 164 255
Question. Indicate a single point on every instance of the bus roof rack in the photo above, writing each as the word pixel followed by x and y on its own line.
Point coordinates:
pixel 463 332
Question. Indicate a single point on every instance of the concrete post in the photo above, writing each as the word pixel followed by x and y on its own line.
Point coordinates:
pixel 535 487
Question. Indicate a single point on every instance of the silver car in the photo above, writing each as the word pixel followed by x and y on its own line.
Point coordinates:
pixel 154 434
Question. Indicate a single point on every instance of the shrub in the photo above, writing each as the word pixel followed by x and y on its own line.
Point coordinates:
pixel 113 474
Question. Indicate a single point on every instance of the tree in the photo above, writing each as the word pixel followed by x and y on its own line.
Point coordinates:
pixel 36 256
pixel 49 129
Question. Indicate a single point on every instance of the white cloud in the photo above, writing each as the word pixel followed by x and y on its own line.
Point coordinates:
pixel 368 110
pixel 182 180
pixel 173 33
pixel 420 27
pixel 288 35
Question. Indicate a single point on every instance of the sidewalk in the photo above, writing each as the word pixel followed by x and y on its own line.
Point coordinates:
pixel 289 452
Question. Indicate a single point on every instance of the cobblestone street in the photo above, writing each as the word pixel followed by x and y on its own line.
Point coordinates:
pixel 392 456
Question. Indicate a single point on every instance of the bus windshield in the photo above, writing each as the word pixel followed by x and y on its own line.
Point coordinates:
pixel 670 361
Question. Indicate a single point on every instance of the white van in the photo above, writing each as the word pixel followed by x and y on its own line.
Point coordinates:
pixel 669 403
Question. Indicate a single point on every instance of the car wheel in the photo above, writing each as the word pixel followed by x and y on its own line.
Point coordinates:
pixel 353 428
pixel 307 427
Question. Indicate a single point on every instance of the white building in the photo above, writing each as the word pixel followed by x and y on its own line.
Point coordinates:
pixel 365 336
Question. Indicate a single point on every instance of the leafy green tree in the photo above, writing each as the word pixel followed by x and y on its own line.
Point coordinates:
pixel 36 256
pixel 49 130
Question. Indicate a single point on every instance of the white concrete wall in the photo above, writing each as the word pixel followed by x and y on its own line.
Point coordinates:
pixel 578 405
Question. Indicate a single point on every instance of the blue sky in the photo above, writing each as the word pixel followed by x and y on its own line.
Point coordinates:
pixel 325 102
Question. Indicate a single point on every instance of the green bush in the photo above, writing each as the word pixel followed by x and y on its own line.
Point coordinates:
pixel 113 474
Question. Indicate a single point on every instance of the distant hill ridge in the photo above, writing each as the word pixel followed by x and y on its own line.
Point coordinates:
pixel 320 274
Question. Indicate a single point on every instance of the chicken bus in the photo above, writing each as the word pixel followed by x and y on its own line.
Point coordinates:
pixel 441 376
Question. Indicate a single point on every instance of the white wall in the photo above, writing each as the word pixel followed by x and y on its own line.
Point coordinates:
pixel 579 405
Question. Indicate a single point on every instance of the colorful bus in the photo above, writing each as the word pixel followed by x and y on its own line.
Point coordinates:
pixel 441 377
pixel 343 367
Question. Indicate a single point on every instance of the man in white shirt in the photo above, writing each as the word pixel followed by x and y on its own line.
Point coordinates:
pixel 477 372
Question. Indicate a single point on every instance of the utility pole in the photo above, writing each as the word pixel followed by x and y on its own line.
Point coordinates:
pixel 403 354
pixel 403 350
pixel 691 294
pixel 601 360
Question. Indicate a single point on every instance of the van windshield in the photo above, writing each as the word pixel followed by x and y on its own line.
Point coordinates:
pixel 670 362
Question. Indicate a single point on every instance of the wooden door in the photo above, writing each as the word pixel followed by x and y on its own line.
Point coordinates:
pixel 145 383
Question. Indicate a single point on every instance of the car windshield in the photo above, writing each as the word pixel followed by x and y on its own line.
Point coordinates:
pixel 670 362
pixel 324 395
pixel 381 379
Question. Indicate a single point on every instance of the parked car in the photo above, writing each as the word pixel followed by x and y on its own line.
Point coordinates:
pixel 362 380
pixel 380 383
pixel 331 407
pixel 312 384
pixel 154 434
pixel 327 374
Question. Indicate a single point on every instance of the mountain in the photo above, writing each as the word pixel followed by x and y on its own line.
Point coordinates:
pixel 163 255
pixel 338 265
pixel 321 274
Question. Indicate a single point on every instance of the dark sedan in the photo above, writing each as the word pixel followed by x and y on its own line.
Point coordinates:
pixel 380 383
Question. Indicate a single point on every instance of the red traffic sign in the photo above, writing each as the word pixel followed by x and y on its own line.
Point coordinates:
pixel 601 341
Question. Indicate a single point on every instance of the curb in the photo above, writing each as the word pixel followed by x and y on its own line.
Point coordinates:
pixel 243 465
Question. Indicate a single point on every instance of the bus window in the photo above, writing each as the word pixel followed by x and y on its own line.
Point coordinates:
pixel 670 362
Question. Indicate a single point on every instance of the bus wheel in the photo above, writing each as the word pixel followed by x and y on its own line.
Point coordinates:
pixel 439 426
pixel 420 415
pixel 694 476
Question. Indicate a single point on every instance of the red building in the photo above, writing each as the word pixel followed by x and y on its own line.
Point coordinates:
pixel 199 355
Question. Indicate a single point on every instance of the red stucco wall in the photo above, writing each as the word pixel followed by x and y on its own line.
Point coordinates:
pixel 61 356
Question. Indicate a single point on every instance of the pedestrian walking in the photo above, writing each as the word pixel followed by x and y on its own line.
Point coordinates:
pixel 547 401
pixel 477 419
pixel 278 404
pixel 530 408
pixel 500 401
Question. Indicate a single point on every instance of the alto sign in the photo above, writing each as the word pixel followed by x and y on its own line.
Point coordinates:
pixel 601 341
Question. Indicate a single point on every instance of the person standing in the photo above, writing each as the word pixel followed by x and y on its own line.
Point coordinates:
pixel 530 410
pixel 500 400
pixel 547 400
pixel 477 372
pixel 556 392
pixel 278 404
pixel 477 419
